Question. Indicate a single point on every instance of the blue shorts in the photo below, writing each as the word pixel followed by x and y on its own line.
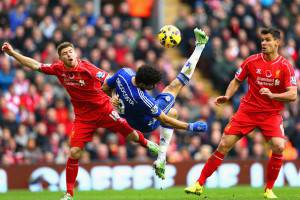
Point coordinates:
pixel 165 101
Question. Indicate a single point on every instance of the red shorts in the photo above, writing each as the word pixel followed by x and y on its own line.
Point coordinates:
pixel 243 123
pixel 82 132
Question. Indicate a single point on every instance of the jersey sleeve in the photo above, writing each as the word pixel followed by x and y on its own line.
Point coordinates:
pixel 290 78
pixel 111 81
pixel 242 72
pixel 101 75
pixel 149 105
pixel 48 69
pixel 96 73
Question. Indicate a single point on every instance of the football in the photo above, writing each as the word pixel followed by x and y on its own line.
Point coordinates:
pixel 169 36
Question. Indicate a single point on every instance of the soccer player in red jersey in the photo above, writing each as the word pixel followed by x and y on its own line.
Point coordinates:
pixel 272 82
pixel 92 106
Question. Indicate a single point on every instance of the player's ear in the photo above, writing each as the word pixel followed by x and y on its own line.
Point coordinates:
pixel 278 42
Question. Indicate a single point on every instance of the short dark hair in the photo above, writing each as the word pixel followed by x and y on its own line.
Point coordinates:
pixel 147 75
pixel 63 45
pixel 273 31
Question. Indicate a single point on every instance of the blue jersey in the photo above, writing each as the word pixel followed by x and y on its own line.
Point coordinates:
pixel 136 105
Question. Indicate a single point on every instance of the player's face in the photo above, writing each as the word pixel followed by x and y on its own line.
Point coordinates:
pixel 68 56
pixel 269 44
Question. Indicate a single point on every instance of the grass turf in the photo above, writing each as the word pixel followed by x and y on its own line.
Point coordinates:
pixel 175 193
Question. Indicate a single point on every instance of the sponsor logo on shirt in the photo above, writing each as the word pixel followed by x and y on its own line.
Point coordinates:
pixel 265 81
pixel 123 91
pixel 70 80
pixel 154 109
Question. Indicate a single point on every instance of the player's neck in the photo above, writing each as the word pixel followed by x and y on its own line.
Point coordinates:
pixel 133 81
pixel 270 56
pixel 72 66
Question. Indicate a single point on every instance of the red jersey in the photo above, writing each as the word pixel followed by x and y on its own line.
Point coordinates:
pixel 276 75
pixel 83 84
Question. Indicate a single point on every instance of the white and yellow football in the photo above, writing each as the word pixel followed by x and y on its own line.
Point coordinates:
pixel 169 36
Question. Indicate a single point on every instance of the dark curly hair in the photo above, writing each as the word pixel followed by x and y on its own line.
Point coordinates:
pixel 273 31
pixel 147 75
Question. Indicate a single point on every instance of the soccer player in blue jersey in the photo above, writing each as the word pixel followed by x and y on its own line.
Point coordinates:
pixel 146 113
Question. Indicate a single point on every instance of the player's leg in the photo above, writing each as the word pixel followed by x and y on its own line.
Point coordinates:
pixel 165 102
pixel 138 137
pixel 189 67
pixel 116 124
pixel 72 171
pixel 81 134
pixel 272 129
pixel 212 164
pixel 274 165
pixel 241 124
pixel 165 138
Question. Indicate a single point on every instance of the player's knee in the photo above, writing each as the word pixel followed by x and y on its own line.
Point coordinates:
pixel 75 152
pixel 173 113
pixel 173 88
pixel 133 136
pixel 224 147
pixel 278 148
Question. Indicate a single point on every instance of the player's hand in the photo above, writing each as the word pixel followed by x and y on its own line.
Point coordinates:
pixel 267 92
pixel 7 48
pixel 115 101
pixel 198 126
pixel 221 99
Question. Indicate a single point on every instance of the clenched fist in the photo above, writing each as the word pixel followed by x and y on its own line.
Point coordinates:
pixel 7 48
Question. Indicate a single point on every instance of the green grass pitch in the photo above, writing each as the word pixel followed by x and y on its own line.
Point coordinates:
pixel 175 193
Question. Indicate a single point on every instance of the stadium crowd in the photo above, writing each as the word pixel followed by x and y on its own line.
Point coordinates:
pixel 36 114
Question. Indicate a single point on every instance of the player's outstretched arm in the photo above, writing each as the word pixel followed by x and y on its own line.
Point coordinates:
pixel 26 61
pixel 177 124
pixel 230 91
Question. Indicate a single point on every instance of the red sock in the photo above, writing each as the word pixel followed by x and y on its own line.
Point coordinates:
pixel 210 166
pixel 273 168
pixel 71 174
pixel 142 139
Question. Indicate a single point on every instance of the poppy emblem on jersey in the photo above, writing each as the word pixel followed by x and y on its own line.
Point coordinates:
pixel 71 76
pixel 276 82
pixel 258 71
pixel 268 73
pixel 154 109
pixel 100 75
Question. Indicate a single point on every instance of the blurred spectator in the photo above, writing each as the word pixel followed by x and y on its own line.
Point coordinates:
pixel 17 16
pixel 7 74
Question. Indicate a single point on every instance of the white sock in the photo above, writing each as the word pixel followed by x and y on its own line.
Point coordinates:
pixel 165 138
pixel 190 65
